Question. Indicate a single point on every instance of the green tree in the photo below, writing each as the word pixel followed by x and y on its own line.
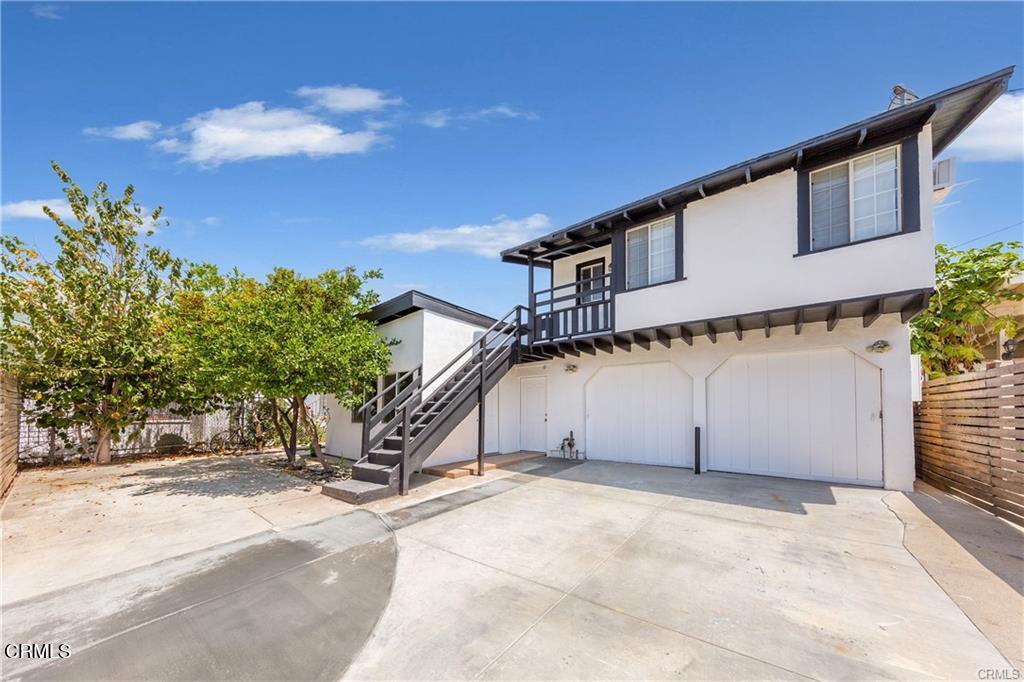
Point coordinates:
pixel 79 331
pixel 967 284
pixel 282 340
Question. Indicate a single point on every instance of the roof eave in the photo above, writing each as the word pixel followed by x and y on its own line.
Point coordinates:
pixel 678 196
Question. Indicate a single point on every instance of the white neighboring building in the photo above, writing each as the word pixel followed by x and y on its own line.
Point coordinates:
pixel 765 304
pixel 430 333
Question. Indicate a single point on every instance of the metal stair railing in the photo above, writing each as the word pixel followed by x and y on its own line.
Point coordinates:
pixel 373 416
pixel 506 334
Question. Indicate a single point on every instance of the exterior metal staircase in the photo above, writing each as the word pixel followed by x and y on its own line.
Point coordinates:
pixel 409 418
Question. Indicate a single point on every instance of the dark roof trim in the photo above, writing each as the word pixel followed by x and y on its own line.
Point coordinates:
pixel 413 301
pixel 949 112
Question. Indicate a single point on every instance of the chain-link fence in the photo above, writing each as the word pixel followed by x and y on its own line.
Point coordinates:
pixel 241 427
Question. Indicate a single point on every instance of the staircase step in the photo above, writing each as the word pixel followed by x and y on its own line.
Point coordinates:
pixel 387 457
pixel 374 473
pixel 357 492
pixel 392 443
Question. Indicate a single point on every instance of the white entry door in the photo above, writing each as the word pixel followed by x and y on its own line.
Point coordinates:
pixel 808 414
pixel 640 413
pixel 533 414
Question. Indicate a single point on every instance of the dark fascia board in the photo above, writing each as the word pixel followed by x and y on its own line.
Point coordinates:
pixel 412 301
pixel 988 88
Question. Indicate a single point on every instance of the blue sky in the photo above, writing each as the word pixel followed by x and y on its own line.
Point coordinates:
pixel 421 138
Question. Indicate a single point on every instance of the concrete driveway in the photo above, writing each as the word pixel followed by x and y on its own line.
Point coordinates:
pixel 557 570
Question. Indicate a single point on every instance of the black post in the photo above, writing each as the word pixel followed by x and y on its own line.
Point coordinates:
pixel 480 409
pixel 531 301
pixel 696 450
pixel 403 465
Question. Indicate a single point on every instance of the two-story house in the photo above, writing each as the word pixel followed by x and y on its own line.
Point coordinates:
pixel 756 315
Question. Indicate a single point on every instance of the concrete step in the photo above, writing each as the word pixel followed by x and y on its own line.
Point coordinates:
pixel 373 473
pixel 358 492
pixel 386 456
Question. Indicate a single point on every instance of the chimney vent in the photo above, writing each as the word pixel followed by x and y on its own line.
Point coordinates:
pixel 901 95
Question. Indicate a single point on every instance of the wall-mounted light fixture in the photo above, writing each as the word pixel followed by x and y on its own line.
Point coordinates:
pixel 880 346
pixel 571 369
pixel 1009 348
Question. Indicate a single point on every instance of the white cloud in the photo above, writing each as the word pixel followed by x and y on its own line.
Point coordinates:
pixel 344 99
pixel 437 119
pixel 46 12
pixel 139 130
pixel 32 209
pixel 442 118
pixel 997 135
pixel 505 111
pixel 210 220
pixel 486 240
pixel 254 131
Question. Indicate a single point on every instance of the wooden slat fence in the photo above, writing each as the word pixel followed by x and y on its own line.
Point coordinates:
pixel 10 409
pixel 969 438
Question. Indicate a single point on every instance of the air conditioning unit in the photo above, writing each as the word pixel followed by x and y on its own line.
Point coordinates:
pixel 943 173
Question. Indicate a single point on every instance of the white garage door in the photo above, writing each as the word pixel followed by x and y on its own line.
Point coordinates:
pixel 808 414
pixel 640 413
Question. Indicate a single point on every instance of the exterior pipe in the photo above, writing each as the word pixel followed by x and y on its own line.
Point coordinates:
pixel 696 450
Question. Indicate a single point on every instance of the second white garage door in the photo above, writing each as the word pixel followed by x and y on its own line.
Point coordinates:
pixel 640 413
pixel 809 414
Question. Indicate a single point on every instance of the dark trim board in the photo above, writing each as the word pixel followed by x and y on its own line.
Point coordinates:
pixel 868 308
pixel 413 301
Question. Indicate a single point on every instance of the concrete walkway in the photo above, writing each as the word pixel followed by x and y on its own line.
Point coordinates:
pixel 548 570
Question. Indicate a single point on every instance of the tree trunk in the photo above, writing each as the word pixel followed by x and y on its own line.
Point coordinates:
pixel 102 454
pixel 275 415
pixel 293 440
pixel 314 437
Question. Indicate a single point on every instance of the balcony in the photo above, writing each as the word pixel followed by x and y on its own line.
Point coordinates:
pixel 572 310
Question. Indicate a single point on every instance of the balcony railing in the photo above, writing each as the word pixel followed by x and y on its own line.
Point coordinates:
pixel 574 309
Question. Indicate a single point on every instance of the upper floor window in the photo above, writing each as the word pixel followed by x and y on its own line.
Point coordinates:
pixel 651 254
pixel 843 211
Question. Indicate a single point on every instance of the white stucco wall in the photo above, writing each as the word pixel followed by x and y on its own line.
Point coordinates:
pixel 566 402
pixel 443 338
pixel 738 258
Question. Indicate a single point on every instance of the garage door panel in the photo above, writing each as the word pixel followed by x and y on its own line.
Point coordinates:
pixel 757 380
pixel 819 374
pixel 844 416
pixel 740 433
pixel 797 381
pixel 869 419
pixel 640 413
pixel 809 414
pixel 778 407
